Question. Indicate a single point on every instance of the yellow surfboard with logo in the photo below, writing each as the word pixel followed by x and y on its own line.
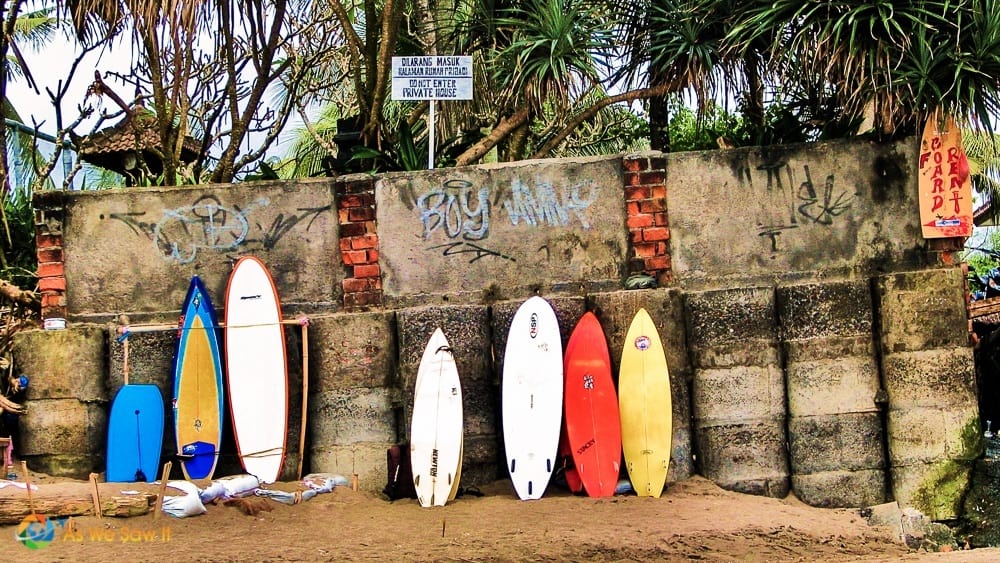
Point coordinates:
pixel 645 407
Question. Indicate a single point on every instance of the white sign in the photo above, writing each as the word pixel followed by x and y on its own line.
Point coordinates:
pixel 432 78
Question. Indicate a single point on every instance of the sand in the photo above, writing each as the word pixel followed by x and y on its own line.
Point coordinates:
pixel 693 521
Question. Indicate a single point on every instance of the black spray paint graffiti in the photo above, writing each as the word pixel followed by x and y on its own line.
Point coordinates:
pixel 461 210
pixel 208 225
pixel 807 206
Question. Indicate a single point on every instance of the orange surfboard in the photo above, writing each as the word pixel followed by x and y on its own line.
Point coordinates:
pixel 946 208
pixel 593 426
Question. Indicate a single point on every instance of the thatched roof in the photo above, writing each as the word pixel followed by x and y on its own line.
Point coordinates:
pixel 115 147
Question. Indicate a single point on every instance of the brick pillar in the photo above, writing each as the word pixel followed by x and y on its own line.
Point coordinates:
pixel 646 207
pixel 362 283
pixel 49 251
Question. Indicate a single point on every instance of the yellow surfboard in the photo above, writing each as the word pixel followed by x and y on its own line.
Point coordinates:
pixel 645 405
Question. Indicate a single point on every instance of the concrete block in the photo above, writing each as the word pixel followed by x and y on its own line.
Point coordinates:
pixel 349 416
pixel 942 377
pixel 841 442
pixel 63 364
pixel 367 459
pixel 63 437
pixel 738 393
pixel 936 489
pixel 747 458
pixel 927 434
pixel 720 317
pixel 352 350
pixel 823 310
pixel 845 384
pixel 841 489
pixel 665 306
pixel 922 310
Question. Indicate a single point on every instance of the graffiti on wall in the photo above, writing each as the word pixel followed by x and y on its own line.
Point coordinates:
pixel 179 234
pixel 462 211
pixel 787 203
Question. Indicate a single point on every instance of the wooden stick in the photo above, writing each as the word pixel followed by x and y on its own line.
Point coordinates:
pixel 305 393
pixel 155 327
pixel 125 360
pixel 163 488
pixel 27 481
pixel 95 494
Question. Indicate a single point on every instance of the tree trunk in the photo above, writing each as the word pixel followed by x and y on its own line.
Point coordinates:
pixel 506 126
pixel 13 509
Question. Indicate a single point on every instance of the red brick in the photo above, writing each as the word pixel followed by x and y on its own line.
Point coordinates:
pixel 52 284
pixel 657 263
pixel 352 257
pixel 373 255
pixel 635 236
pixel 364 241
pixel 653 178
pixel 940 244
pixel 51 269
pixel 652 205
pixel 54 313
pixel 363 299
pixel 351 230
pixel 355 285
pixel 355 200
pixel 343 216
pixel 661 219
pixel 45 240
pixel 658 192
pixel 655 233
pixel 50 255
pixel 645 250
pixel 50 300
pixel 635 164
pixel 950 258
pixel 359 214
pixel 664 278
pixel 366 271
pixel 631 208
pixel 639 221
pixel 632 179
pixel 633 193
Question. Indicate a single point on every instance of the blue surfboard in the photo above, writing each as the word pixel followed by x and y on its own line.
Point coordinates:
pixel 198 385
pixel 135 434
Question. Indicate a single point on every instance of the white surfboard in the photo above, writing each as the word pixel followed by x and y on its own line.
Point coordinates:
pixel 256 369
pixel 532 397
pixel 436 424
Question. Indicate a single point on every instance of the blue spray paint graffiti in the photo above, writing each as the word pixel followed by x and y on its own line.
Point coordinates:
pixel 181 233
pixel 461 210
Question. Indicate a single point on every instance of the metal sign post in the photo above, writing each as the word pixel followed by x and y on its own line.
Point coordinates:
pixel 432 78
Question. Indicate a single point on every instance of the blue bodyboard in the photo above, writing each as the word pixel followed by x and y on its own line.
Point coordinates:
pixel 135 434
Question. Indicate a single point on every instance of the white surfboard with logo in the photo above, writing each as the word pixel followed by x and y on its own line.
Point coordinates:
pixel 436 424
pixel 532 397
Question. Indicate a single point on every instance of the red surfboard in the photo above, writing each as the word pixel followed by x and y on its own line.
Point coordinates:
pixel 593 426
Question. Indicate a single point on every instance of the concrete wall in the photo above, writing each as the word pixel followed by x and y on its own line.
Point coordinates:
pixel 758 253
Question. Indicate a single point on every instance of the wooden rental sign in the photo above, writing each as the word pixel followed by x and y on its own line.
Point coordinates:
pixel 945 188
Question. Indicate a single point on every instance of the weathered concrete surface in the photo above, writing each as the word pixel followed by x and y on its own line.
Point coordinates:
pixel 738 389
pixel 923 310
pixel 745 216
pixel 63 364
pixel 63 437
pixel 835 434
pixel 351 350
pixel 467 329
pixel 934 431
pixel 501 232
pixel 133 250
pixel 615 310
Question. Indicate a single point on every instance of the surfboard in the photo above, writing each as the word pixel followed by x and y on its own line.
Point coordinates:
pixel 135 434
pixel 593 427
pixel 531 397
pixel 198 385
pixel 256 369
pixel 645 405
pixel 436 424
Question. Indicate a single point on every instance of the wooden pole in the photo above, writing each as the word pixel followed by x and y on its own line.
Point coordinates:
pixel 163 488
pixel 157 327
pixel 305 393
pixel 95 494
pixel 27 481
pixel 125 360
